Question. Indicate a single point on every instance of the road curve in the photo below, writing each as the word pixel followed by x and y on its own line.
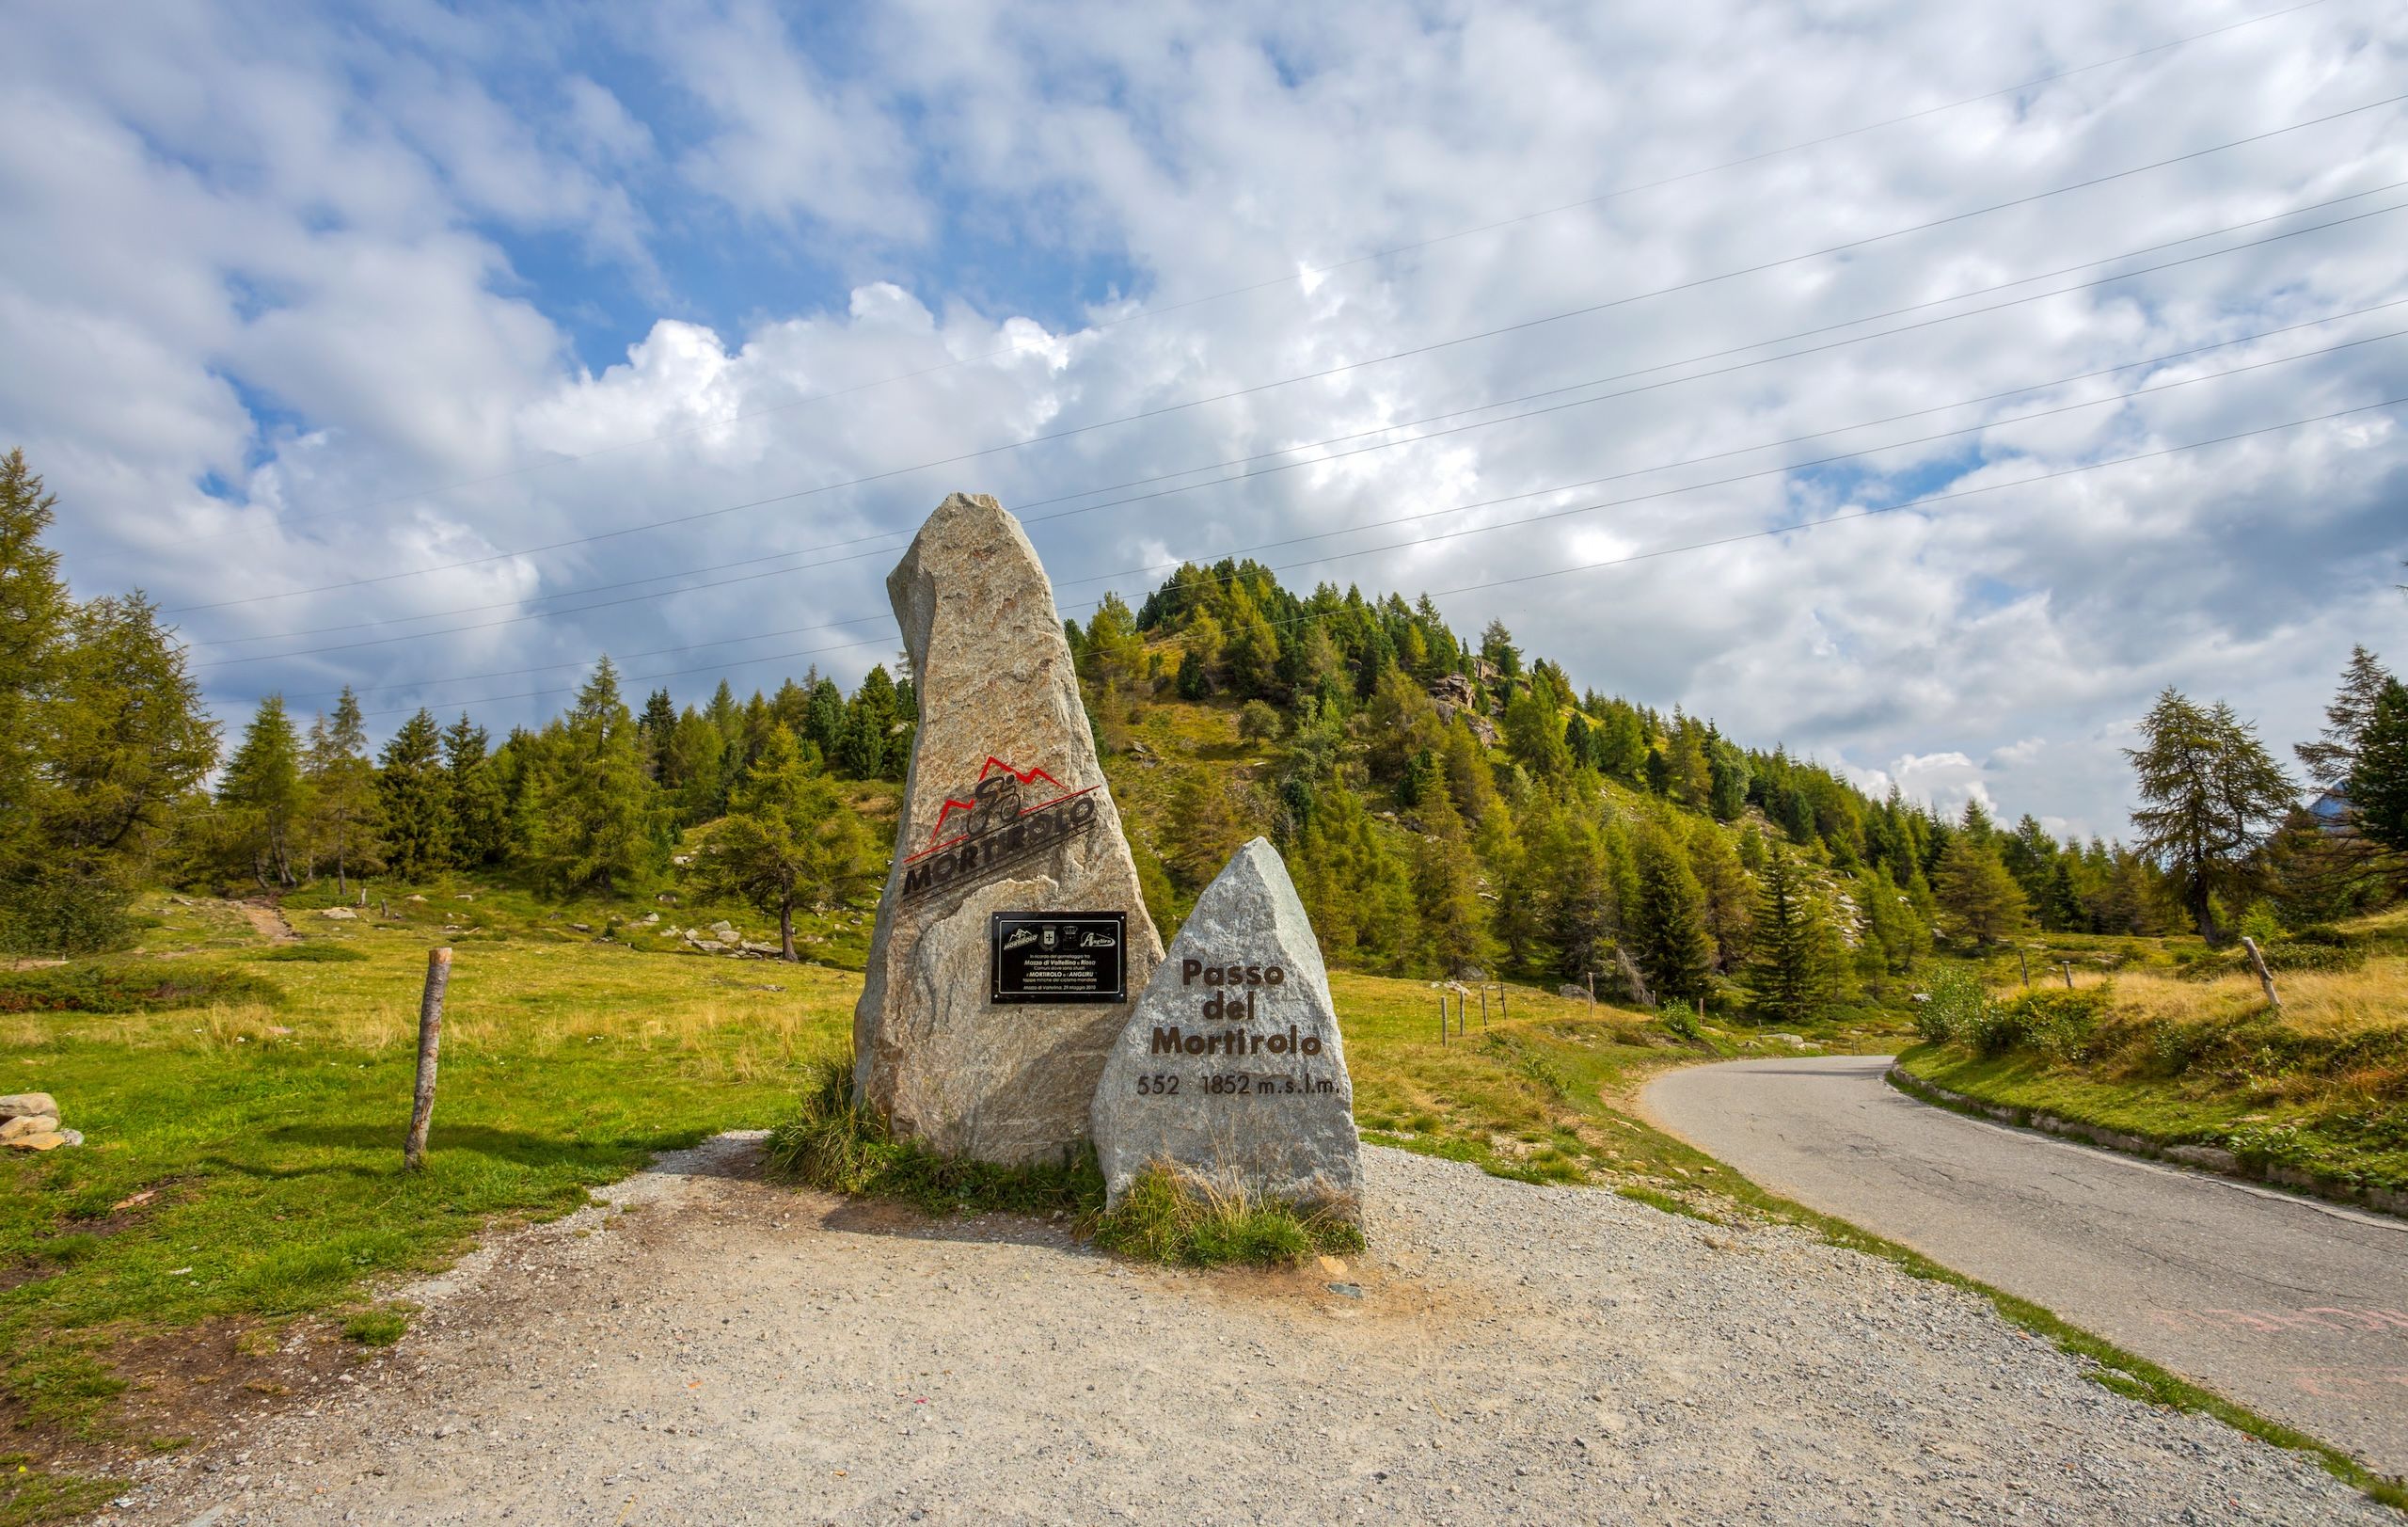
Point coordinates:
pixel 2296 1308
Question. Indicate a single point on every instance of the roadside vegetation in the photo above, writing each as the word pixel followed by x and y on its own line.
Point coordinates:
pixel 2184 1050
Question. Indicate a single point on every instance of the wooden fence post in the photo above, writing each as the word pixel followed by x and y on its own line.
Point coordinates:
pixel 2026 966
pixel 2068 968
pixel 1483 1006
pixel 1442 1017
pixel 430 1039
pixel 1500 1002
pixel 1592 988
pixel 2265 976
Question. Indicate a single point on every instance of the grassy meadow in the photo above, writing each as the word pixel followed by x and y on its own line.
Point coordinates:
pixel 242 1181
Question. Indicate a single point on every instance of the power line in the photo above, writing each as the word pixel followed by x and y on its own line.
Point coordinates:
pixel 1564 487
pixel 1552 572
pixel 1694 285
pixel 890 535
pixel 1286 280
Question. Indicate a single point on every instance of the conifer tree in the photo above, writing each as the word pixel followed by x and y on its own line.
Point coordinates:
pixel 789 841
pixel 694 770
pixel 1800 964
pixel 479 807
pixel 1728 908
pixel 35 611
pixel 2332 757
pixel 1978 899
pixel 824 726
pixel 868 751
pixel 2210 794
pixel 416 800
pixel 1446 891
pixel 346 810
pixel 264 796
pixel 593 808
pixel 1534 738
pixel 1667 934
pixel 2379 771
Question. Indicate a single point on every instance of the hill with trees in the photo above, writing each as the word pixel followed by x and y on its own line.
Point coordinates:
pixel 1445 805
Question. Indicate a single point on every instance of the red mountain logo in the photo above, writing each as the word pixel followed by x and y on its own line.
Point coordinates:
pixel 996 799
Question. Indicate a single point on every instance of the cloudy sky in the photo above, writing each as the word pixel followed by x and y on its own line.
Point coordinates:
pixel 435 351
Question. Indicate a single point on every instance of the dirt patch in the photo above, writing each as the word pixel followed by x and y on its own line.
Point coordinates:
pixel 267 920
pixel 710 1347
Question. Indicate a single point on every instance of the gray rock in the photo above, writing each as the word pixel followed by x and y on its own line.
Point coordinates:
pixel 1004 810
pixel 341 914
pixel 29 1105
pixel 30 1123
pixel 1255 1099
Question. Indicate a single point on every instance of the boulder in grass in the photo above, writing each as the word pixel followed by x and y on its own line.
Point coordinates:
pixel 28 1104
pixel 51 1141
pixel 30 1123
pixel 341 914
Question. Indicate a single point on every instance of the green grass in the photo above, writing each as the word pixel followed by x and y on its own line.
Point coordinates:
pixel 31 1496
pixel 1163 1218
pixel 242 1162
pixel 826 1142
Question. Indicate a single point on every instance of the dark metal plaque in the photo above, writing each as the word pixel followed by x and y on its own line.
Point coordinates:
pixel 1057 957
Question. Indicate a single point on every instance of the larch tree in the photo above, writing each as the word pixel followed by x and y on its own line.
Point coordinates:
pixel 346 809
pixel 479 808
pixel 1728 909
pixel 789 841
pixel 1979 898
pixel 2211 793
pixel 264 795
pixel 594 806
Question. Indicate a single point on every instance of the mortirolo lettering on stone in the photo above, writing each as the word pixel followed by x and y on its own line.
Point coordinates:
pixel 1004 812
pixel 1231 1069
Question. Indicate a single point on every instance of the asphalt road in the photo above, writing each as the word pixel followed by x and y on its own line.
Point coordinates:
pixel 2297 1309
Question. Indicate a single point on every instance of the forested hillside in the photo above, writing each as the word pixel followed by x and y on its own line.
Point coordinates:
pixel 1445 805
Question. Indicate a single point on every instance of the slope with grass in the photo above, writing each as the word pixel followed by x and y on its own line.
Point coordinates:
pixel 2190 1053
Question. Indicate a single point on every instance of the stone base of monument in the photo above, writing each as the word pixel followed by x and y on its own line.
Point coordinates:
pixel 1231 1072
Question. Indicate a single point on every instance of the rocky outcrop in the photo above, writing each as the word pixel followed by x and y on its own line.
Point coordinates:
pixel 1005 810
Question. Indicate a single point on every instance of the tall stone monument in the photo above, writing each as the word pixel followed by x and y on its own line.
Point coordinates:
pixel 1231 1072
pixel 1011 938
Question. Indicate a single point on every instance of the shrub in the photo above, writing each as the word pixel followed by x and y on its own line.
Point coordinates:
pixel 1957 1005
pixel 2058 1023
pixel 311 954
pixel 65 914
pixel 1678 1018
pixel 131 988
pixel 831 1144
pixel 1165 1217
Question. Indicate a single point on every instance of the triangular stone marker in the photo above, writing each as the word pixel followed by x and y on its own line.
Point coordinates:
pixel 1231 1072
pixel 1011 937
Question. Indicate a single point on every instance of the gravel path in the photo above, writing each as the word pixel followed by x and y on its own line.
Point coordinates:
pixel 730 1351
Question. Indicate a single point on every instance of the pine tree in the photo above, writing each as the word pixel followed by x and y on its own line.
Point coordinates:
pixel 593 807
pixel 1668 929
pixel 417 799
pixel 479 806
pixel 1205 827
pixel 2379 771
pixel 2211 793
pixel 263 795
pixel 868 750
pixel 1800 964
pixel 1534 738
pixel 2331 758
pixel 1978 899
pixel 659 715
pixel 789 841
pixel 346 809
